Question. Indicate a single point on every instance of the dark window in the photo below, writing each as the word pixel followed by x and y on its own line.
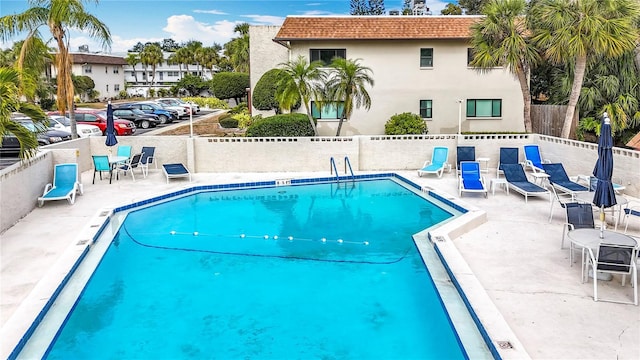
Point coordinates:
pixel 484 108
pixel 327 55
pixel 327 111
pixel 426 57
pixel 470 55
pixel 91 118
pixel 116 70
pixel 426 107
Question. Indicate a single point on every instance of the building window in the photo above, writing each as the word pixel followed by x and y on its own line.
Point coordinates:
pixel 172 73
pixel 116 87
pixel 470 55
pixel 161 73
pixel 106 69
pixel 426 58
pixel 87 69
pixel 426 107
pixel 327 55
pixel 107 87
pixel 116 70
pixel 484 108
pixel 327 111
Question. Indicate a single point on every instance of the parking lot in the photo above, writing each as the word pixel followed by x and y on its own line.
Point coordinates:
pixel 8 161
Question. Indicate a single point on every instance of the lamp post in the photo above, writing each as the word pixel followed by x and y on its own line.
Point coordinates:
pixel 190 120
pixel 248 90
pixel 459 116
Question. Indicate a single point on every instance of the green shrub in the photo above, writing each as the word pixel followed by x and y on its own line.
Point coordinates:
pixel 241 108
pixel 264 92
pixel 281 125
pixel 228 122
pixel 211 103
pixel 405 123
pixel 47 104
pixel 244 120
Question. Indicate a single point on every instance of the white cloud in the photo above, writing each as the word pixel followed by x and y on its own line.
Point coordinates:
pixel 265 19
pixel 183 28
pixel 213 12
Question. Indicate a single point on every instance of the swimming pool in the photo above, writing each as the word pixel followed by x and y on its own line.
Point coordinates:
pixel 317 270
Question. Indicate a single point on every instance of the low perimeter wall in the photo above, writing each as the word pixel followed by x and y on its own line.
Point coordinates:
pixel 23 182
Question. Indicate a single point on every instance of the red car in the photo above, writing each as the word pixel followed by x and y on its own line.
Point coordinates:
pixel 99 119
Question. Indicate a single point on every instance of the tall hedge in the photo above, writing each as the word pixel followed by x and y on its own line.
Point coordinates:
pixel 281 125
pixel 264 92
pixel 230 85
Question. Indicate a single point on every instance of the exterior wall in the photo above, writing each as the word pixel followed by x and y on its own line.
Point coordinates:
pixel 268 55
pixel 400 84
pixel 103 76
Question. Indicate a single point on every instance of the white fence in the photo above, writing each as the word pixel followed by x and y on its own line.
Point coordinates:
pixel 22 183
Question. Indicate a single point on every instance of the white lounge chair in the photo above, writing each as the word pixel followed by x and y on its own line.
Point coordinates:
pixel 437 163
pixel 174 171
pixel 65 184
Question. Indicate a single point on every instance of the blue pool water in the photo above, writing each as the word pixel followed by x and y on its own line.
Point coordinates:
pixel 296 272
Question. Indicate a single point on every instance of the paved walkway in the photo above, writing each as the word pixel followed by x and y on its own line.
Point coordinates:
pixel 515 255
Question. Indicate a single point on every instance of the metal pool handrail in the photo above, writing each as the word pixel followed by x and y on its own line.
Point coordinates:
pixel 332 163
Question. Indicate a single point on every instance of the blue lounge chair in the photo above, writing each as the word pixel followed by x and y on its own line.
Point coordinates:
pixel 470 178
pixel 464 153
pixel 173 171
pixel 533 159
pixel 559 179
pixel 507 156
pixel 65 184
pixel 437 163
pixel 517 180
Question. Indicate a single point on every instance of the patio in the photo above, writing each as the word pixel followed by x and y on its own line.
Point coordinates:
pixel 515 255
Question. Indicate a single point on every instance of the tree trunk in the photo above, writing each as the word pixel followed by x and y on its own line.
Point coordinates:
pixel 340 125
pixel 526 97
pixel 578 77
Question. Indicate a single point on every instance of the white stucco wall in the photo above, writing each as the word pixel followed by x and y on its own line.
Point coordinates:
pixel 264 55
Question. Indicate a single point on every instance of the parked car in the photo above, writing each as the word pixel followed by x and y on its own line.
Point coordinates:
pixel 166 116
pixel 99 119
pixel 182 111
pixel 11 145
pixel 180 102
pixel 60 122
pixel 142 119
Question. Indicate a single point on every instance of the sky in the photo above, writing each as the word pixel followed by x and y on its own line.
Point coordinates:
pixel 133 21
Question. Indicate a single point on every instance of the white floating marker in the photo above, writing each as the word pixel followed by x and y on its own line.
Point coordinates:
pixel 172 232
pixel 195 233
pixel 290 238
pixel 366 243
pixel 242 235
pixel 324 240
pixel 266 237
pixel 275 237
pixel 340 241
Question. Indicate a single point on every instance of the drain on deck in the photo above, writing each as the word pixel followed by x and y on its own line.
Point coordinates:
pixel 82 242
pixel 505 345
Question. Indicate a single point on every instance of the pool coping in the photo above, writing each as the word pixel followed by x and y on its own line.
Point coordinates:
pixel 491 323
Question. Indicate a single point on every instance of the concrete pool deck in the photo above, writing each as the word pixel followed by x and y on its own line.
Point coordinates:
pixel 515 255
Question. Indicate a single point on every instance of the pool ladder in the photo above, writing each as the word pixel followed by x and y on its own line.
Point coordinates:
pixel 334 168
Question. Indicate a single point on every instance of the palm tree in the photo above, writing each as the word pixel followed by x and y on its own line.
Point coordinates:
pixel 237 50
pixel 133 59
pixel 10 93
pixel 300 82
pixel 59 16
pixel 210 56
pixel 151 55
pixel 502 39
pixel 347 84
pixel 583 30
pixel 192 53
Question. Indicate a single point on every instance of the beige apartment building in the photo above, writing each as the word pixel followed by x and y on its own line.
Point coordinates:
pixel 420 64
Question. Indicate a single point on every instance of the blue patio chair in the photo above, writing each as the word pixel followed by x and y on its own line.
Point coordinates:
pixel 65 184
pixel 559 179
pixel 173 171
pixel 508 155
pixel 124 150
pixel 464 153
pixel 533 159
pixel 100 164
pixel 517 180
pixel 470 179
pixel 437 163
pixel 148 157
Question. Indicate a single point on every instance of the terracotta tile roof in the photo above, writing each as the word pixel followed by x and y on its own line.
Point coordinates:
pixel 80 58
pixel 375 27
pixel 634 142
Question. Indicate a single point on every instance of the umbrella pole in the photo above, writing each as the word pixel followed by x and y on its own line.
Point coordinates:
pixel 602 217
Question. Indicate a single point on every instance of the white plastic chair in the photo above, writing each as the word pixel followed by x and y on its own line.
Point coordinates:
pixel 614 259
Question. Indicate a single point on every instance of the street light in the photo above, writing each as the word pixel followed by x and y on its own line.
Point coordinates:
pixel 190 120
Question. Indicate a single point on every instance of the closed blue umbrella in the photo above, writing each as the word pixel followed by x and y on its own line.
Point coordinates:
pixel 111 130
pixel 604 196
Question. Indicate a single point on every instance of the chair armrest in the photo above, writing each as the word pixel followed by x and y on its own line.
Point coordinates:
pixel 47 188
